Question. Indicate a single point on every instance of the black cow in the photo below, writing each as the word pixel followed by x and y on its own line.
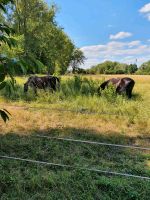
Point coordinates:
pixel 122 85
pixel 43 82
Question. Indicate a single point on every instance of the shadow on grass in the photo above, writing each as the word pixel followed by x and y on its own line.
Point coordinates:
pixel 137 96
pixel 20 180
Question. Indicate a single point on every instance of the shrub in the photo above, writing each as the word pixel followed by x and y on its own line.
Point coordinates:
pixel 85 89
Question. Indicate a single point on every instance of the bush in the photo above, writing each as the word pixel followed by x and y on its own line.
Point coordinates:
pixel 144 69
pixel 109 93
pixel 85 89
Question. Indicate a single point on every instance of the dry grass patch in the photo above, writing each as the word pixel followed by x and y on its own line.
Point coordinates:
pixel 19 180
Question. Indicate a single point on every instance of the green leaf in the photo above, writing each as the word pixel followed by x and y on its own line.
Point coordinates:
pixel 7 111
pixel 2 77
pixel 4 114
pixel 22 66
pixel 5 29
pixel 1 68
pixel 2 85
pixel 11 42
pixel 2 7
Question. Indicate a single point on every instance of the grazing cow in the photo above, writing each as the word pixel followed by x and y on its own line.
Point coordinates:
pixel 122 85
pixel 35 82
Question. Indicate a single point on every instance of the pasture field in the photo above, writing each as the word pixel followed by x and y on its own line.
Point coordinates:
pixel 75 111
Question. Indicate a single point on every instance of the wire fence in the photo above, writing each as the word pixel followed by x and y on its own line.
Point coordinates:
pixel 93 142
pixel 83 111
pixel 73 167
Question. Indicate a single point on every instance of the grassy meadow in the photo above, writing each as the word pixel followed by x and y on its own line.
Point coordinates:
pixel 79 112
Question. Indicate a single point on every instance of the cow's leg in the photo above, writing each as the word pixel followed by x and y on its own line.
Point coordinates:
pixel 119 90
pixel 53 85
pixel 129 90
pixel 34 89
pixel 49 87
pixel 129 93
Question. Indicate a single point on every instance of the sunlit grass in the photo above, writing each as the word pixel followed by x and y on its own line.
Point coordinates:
pixel 80 96
pixel 89 117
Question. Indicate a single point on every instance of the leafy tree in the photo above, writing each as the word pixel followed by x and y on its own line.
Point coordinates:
pixel 144 68
pixel 120 68
pixel 77 59
pixel 131 69
pixel 43 38
pixel 15 51
pixel 104 68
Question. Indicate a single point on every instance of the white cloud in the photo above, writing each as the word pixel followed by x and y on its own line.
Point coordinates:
pixel 145 8
pixel 126 52
pixel 146 11
pixel 120 35
pixel 134 43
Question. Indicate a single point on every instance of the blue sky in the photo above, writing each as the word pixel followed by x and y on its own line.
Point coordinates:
pixel 107 29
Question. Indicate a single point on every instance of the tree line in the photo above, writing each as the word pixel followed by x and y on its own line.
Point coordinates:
pixel 110 67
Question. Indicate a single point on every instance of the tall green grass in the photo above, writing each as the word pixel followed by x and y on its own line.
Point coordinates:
pixel 69 89
pixel 79 93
